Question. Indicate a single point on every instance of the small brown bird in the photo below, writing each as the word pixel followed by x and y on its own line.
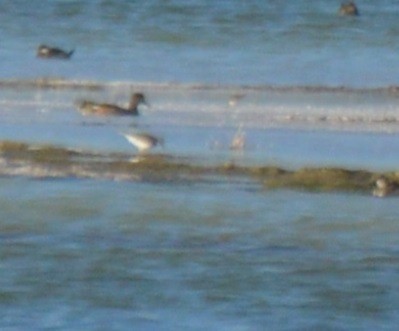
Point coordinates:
pixel 235 98
pixel 105 109
pixel 47 52
pixel 349 9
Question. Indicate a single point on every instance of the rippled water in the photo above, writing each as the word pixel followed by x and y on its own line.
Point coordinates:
pixel 166 257
pixel 214 254
pixel 256 42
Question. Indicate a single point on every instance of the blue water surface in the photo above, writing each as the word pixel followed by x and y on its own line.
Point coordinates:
pixel 220 255
pixel 229 42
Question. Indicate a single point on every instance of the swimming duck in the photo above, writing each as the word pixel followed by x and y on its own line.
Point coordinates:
pixel 143 141
pixel 44 51
pixel 349 9
pixel 105 109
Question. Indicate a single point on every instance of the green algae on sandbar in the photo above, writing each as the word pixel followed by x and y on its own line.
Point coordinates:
pixel 324 179
pixel 83 164
pixel 39 153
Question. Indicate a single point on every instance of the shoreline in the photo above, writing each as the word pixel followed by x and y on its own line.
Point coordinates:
pixel 50 161
pixel 95 84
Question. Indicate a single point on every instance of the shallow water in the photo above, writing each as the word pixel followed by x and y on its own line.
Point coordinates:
pixel 286 127
pixel 200 254
pixel 306 88
pixel 199 257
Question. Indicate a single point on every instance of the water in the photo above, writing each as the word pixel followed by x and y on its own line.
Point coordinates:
pixel 214 254
pixel 259 42
pixel 167 257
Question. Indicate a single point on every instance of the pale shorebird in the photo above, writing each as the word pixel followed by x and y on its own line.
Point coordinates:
pixel 44 51
pixel 143 141
pixel 384 187
pixel 238 142
pixel 349 9
pixel 105 109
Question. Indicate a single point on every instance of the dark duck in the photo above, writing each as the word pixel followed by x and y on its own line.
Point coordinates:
pixel 47 52
pixel 105 109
